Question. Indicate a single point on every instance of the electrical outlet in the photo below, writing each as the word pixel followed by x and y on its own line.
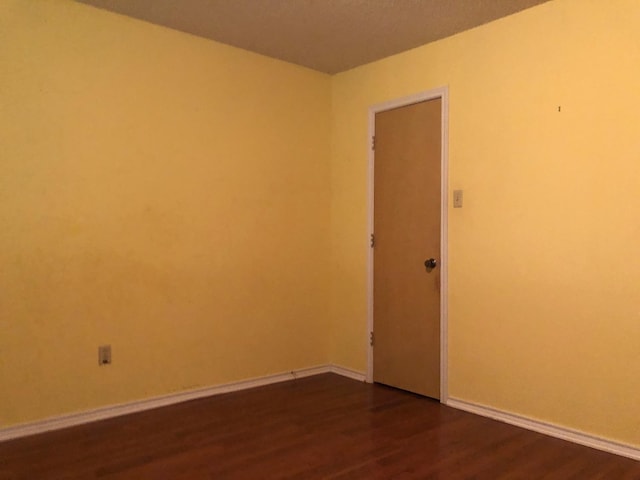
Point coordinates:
pixel 104 355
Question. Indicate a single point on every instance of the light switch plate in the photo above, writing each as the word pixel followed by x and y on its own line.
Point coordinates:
pixel 457 199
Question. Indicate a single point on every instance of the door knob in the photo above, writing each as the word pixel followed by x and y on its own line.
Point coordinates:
pixel 430 264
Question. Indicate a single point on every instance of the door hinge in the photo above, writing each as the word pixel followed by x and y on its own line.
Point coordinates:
pixel 373 240
pixel 373 142
pixel 371 338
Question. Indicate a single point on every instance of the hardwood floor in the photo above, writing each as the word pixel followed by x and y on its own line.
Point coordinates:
pixel 322 427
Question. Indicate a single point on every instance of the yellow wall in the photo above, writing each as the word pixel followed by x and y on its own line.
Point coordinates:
pixel 179 199
pixel 544 267
pixel 159 192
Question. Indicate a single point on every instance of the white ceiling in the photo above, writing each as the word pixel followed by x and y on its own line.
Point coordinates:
pixel 326 35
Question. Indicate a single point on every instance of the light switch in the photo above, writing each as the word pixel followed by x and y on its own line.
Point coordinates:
pixel 457 199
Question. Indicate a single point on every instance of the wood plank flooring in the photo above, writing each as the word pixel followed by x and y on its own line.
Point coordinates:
pixel 322 427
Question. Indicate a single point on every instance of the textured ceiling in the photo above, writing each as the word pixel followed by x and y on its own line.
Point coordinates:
pixel 326 35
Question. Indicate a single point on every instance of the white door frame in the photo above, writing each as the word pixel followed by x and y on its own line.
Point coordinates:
pixel 443 94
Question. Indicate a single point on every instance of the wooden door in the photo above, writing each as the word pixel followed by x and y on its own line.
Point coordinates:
pixel 406 294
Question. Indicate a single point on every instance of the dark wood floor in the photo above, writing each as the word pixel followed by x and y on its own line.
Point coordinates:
pixel 320 427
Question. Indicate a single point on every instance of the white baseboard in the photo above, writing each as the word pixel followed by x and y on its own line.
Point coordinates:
pixel 550 429
pixel 347 372
pixel 80 418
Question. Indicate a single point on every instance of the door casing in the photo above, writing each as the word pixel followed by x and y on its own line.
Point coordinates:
pixel 443 94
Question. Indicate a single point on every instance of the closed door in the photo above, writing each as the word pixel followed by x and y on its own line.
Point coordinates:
pixel 406 256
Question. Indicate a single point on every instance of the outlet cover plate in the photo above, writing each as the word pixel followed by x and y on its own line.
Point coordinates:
pixel 104 355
